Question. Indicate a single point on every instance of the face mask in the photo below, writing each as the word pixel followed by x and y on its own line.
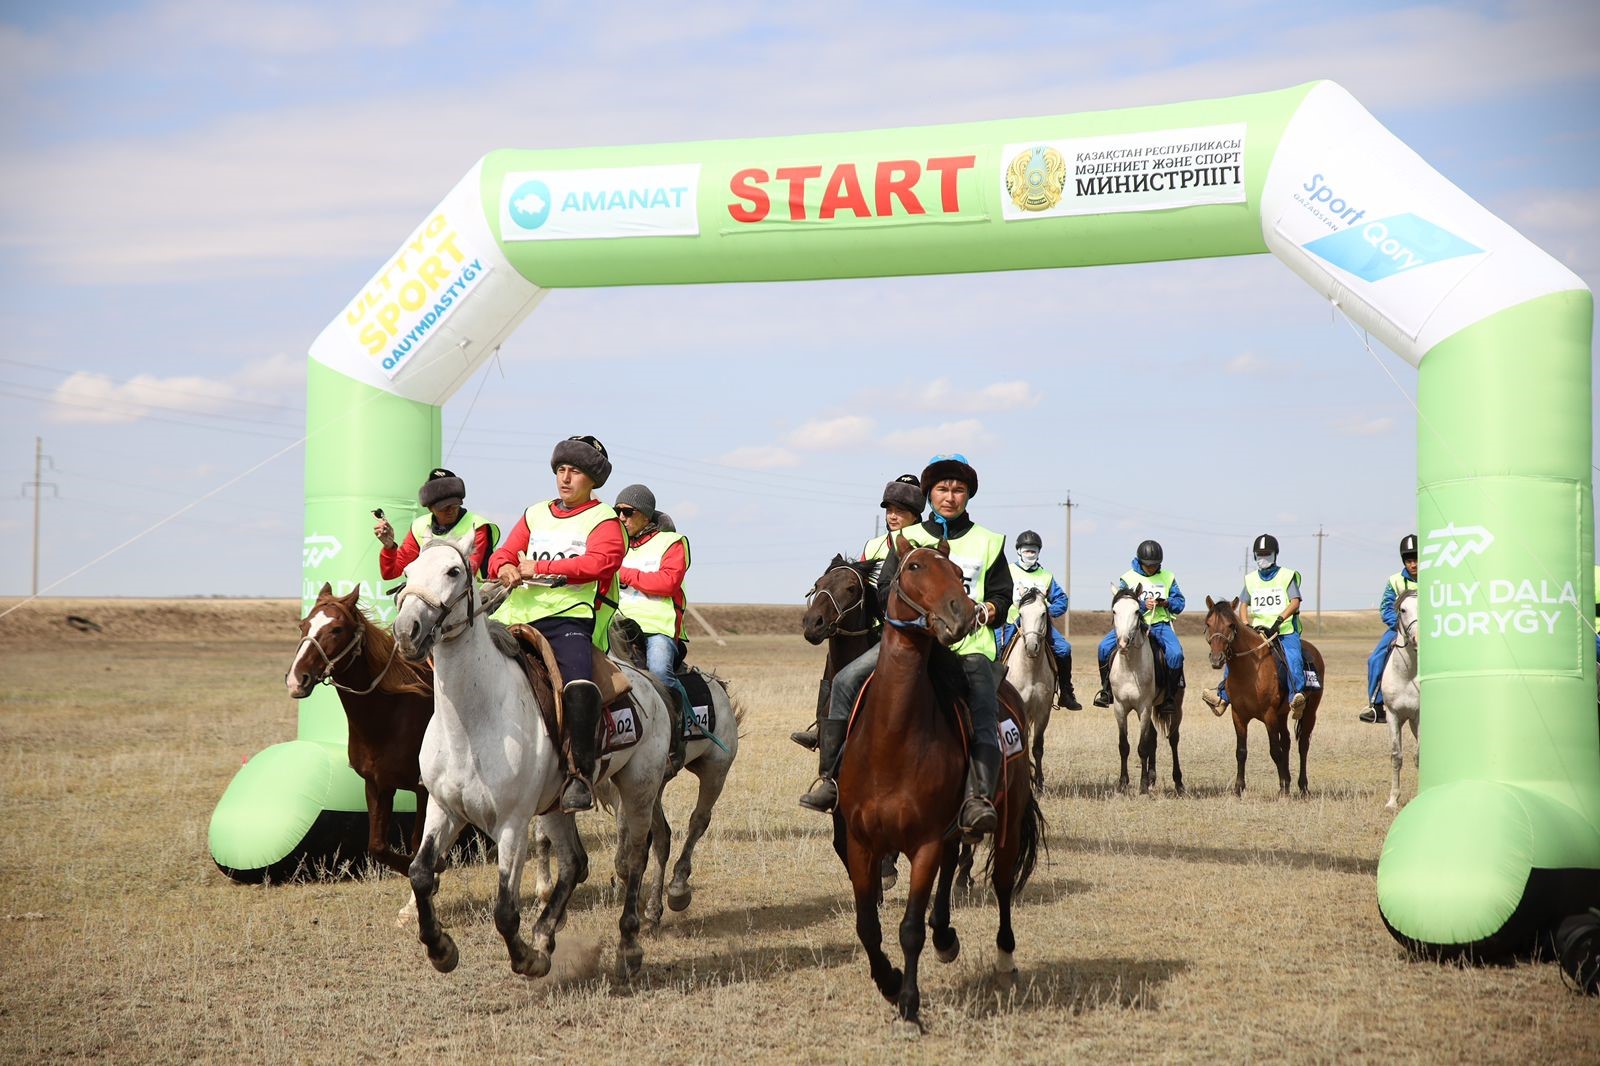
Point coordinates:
pixel 1027 559
pixel 1265 562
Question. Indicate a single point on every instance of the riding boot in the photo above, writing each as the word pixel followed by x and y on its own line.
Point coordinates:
pixel 1374 714
pixel 580 701
pixel 825 792
pixel 1067 698
pixel 1103 697
pixel 807 737
pixel 1218 705
pixel 978 817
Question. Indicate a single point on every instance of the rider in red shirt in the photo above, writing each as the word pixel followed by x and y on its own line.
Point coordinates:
pixel 443 494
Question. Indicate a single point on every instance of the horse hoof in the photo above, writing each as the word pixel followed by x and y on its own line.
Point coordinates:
pixel 890 879
pixel 1392 805
pixel 907 1028
pixel 678 897
pixel 630 960
pixel 447 956
pixel 947 952
pixel 537 964
pixel 891 986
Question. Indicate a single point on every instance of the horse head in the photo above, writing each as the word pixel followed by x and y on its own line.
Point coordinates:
pixel 1405 609
pixel 1127 615
pixel 1222 629
pixel 839 603
pixel 439 585
pixel 1033 620
pixel 330 633
pixel 928 583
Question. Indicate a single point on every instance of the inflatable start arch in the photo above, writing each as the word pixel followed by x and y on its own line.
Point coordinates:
pixel 1503 838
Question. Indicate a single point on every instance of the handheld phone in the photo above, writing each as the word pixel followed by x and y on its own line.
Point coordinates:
pixel 377 512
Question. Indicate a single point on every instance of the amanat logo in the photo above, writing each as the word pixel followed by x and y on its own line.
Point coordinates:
pixel 894 190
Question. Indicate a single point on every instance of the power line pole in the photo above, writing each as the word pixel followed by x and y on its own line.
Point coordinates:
pixel 1321 536
pixel 39 459
pixel 1066 570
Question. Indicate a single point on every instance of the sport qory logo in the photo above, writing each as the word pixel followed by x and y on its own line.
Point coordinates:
pixel 1449 547
pixel 530 204
pixel 1388 246
pixel 319 548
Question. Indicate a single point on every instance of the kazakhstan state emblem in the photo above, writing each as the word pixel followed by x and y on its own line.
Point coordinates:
pixel 1036 179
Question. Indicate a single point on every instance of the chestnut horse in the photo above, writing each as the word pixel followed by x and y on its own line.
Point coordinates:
pixel 387 701
pixel 901 780
pixel 1254 692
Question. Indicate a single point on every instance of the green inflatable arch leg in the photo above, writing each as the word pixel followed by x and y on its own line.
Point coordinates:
pixel 1503 839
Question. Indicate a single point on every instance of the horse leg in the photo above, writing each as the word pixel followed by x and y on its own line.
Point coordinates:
pixel 913 932
pixel 543 883
pixel 946 944
pixel 964 866
pixel 1040 723
pixel 511 843
pixel 572 869
pixel 441 831
pixel 1241 733
pixel 655 874
pixel 640 800
pixel 380 804
pixel 1147 753
pixel 1302 735
pixel 1122 746
pixel 864 883
pixel 1278 745
pixel 712 780
pixel 1172 741
pixel 1002 878
pixel 1395 761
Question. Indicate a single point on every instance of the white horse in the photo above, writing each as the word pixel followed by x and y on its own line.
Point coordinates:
pixel 1031 670
pixel 487 760
pixel 1402 699
pixel 1133 688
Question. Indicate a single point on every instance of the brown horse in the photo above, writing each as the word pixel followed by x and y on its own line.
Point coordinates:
pixel 1254 692
pixel 901 782
pixel 387 700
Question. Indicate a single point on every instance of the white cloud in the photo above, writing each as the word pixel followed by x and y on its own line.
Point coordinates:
pixel 944 437
pixel 760 457
pixel 1364 427
pixel 834 434
pixel 1245 363
pixel 941 395
pixel 92 398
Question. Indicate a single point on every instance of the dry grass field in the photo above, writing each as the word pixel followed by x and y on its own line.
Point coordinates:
pixel 1205 928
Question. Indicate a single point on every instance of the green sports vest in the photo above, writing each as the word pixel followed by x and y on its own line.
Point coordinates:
pixel 1401 582
pixel 875 551
pixel 1159 583
pixel 550 537
pixel 1023 580
pixel 655 614
pixel 422 530
pixel 975 551
pixel 1268 599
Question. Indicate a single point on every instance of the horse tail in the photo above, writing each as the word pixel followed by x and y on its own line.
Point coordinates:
pixel 1030 839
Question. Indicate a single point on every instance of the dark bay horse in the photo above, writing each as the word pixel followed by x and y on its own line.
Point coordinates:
pixel 387 701
pixel 841 609
pixel 1254 692
pixel 901 783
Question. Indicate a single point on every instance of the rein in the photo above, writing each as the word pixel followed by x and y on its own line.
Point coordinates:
pixel 833 629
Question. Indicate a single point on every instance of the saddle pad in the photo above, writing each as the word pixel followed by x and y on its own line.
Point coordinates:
pixel 704 722
pixel 609 679
pixel 539 663
pixel 622 728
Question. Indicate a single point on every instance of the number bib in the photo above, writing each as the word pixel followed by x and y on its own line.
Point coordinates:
pixel 971 570
pixel 1267 602
pixel 556 544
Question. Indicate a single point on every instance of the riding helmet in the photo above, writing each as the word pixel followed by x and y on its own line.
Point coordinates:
pixel 1408 547
pixel 949 468
pixel 905 491
pixel 1266 544
pixel 1149 552
pixel 1029 539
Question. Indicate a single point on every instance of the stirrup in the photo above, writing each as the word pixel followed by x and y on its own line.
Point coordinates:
pixel 979 822
pixel 823 796
pixel 807 738
pixel 579 801
pixel 1102 698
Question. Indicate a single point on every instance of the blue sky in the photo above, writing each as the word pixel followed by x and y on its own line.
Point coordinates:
pixel 190 191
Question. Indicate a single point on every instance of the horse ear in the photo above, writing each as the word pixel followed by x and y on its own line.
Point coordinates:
pixel 901 545
pixel 327 590
pixel 1236 603
pixel 467 541
pixel 1211 604
pixel 838 560
pixel 944 547
pixel 1138 590
pixel 355 593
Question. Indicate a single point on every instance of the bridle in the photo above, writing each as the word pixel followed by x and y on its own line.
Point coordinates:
pixel 1405 637
pixel 331 663
pixel 1032 643
pixel 921 620
pixel 1227 641
pixel 833 629
pixel 439 630
pixel 1141 627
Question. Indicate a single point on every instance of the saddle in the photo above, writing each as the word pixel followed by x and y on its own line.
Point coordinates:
pixel 539 663
pixel 1169 682
pixel 1280 660
pixel 1016 638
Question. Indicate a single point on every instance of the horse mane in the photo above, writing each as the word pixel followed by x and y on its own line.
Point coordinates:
pixel 1405 594
pixel 1123 593
pixel 402 677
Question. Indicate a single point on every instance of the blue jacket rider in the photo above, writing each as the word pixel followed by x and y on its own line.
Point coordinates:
pixel 1405 579
pixel 1026 574
pixel 1163 601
